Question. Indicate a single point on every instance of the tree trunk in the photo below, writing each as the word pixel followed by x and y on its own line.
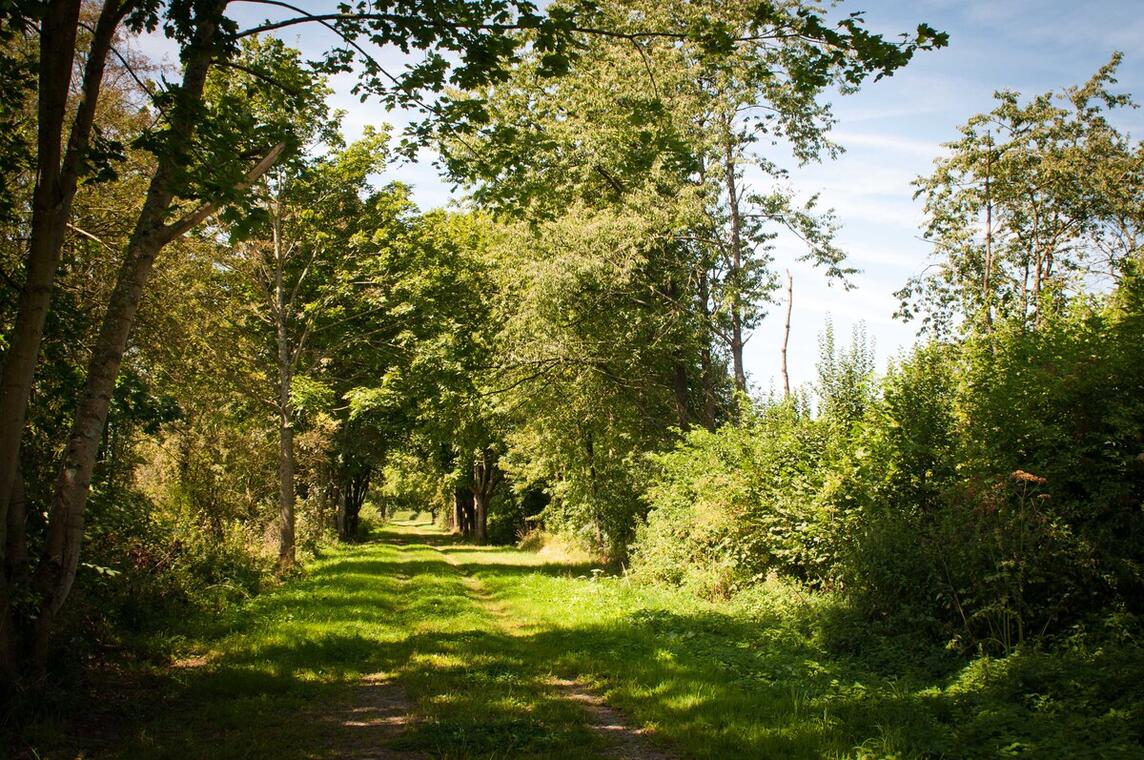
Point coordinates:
pixel 463 509
pixel 987 274
pixel 485 479
pixel 1038 261
pixel 679 373
pixel 286 495
pixel 354 491
pixel 679 386
pixel 286 492
pixel 60 559
pixel 735 272
pixel 786 332
pixel 707 368
pixel 340 517
pixel 480 515
pixel 11 574
pixel 51 208
pixel 16 550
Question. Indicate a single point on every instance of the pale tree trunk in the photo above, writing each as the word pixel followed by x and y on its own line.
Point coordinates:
pixel 1025 292
pixel 679 386
pixel 735 271
pixel 786 332
pixel 66 519
pixel 987 274
pixel 1038 263
pixel 286 490
pixel 480 515
pixel 707 368
pixel 60 559
pixel 52 197
pixel 342 514
pixel 286 493
pixel 706 361
pixel 50 210
pixel 679 373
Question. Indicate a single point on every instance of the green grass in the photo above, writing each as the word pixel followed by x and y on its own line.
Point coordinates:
pixel 476 637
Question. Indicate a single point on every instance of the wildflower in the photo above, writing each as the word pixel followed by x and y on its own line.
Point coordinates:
pixel 1028 477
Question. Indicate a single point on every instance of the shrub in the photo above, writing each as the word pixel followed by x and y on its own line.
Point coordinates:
pixel 730 506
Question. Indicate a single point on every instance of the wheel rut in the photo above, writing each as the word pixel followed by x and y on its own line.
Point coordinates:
pixel 625 741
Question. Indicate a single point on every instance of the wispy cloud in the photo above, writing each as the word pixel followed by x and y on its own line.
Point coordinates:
pixel 895 143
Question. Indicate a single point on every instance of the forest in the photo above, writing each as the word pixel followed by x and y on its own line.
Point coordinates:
pixel 291 467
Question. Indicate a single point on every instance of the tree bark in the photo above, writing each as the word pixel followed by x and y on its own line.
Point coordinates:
pixel 679 373
pixel 480 515
pixel 707 368
pixel 735 272
pixel 463 509
pixel 485 479
pixel 286 492
pixel 56 181
pixel 987 274
pixel 60 559
pixel 354 492
pixel 12 571
pixel 16 550
pixel 786 332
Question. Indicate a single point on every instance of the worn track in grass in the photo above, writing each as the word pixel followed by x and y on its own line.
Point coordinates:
pixel 622 741
pixel 414 645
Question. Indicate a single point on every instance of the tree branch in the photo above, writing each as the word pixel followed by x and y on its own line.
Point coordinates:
pixel 174 230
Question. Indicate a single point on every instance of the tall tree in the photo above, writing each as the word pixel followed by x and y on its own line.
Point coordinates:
pixel 295 260
pixel 633 172
pixel 478 34
pixel 1036 200
pixel 58 170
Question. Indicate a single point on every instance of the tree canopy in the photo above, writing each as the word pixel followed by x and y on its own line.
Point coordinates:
pixel 228 342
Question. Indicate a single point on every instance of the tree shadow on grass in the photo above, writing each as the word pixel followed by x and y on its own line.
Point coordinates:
pixel 399 537
pixel 484 693
pixel 711 684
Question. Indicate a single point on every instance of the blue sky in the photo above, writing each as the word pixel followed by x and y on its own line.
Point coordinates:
pixel 892 131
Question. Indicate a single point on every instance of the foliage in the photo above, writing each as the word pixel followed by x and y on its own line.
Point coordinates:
pixel 1036 201
pixel 758 496
pixel 566 356
pixel 150 564
pixel 767 674
pixel 961 498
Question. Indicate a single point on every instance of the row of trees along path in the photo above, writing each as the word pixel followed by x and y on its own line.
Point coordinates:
pixel 212 150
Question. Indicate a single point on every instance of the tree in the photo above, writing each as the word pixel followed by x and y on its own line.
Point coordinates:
pixel 478 34
pixel 432 351
pixel 287 248
pixel 1035 201
pixel 630 172
pixel 58 171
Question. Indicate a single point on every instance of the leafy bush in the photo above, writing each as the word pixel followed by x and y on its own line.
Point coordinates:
pixel 727 507
pixel 994 489
pixel 988 491
pixel 145 567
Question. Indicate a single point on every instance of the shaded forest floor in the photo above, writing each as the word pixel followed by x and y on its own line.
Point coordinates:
pixel 413 645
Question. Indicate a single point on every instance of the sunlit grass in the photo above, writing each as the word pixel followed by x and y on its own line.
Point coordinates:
pixel 480 639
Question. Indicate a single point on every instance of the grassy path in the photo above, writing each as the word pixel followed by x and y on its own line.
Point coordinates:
pixel 391 649
pixel 416 646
